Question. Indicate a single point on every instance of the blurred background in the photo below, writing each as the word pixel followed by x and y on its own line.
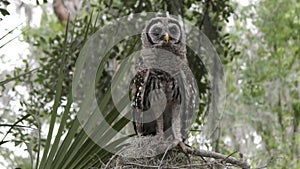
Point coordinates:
pixel 257 42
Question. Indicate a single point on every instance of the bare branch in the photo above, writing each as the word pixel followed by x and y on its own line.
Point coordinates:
pixel 215 155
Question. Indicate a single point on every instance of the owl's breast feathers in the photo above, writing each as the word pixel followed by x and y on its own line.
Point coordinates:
pixel 143 88
pixel 148 80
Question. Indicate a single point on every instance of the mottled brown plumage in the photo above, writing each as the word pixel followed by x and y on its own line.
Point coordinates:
pixel 164 93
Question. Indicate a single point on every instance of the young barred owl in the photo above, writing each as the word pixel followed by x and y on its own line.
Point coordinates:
pixel 164 92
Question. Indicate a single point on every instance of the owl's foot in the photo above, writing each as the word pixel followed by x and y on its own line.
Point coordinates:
pixel 181 144
pixel 161 137
pixel 139 127
pixel 183 147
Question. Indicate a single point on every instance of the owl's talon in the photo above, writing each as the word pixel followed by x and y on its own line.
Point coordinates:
pixel 181 145
pixel 161 137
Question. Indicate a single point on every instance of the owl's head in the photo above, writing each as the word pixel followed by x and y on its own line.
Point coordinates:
pixel 164 33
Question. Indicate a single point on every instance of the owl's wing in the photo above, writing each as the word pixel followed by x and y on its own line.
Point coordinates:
pixel 136 106
pixel 137 99
pixel 189 99
pixel 133 105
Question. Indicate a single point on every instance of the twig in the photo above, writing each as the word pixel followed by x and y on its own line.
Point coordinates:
pixel 229 155
pixel 197 165
pixel 142 165
pixel 164 156
pixel 150 166
pixel 114 156
pixel 216 155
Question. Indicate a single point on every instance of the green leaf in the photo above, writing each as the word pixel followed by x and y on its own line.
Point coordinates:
pixel 5 2
pixel 16 77
pixel 15 124
pixel 30 151
pixel 62 124
pixel 56 101
pixel 4 12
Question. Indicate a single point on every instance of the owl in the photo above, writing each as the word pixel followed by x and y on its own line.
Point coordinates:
pixel 163 91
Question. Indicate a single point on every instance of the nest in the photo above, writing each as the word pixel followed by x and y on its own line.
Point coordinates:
pixel 150 152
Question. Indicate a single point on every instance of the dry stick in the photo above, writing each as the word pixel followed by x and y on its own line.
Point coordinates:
pixel 114 156
pixel 216 155
pixel 150 166
pixel 197 165
pixel 161 161
pixel 188 158
pixel 229 156
pixel 170 167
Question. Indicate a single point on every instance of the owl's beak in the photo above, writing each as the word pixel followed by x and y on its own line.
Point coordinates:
pixel 166 37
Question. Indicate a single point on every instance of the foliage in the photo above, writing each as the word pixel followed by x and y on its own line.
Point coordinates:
pixel 262 68
pixel 264 84
pixel 4 11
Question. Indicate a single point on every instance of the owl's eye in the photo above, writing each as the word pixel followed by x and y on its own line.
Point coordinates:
pixel 156 31
pixel 173 30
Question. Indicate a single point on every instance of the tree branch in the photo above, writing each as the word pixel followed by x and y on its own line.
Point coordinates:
pixel 215 155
